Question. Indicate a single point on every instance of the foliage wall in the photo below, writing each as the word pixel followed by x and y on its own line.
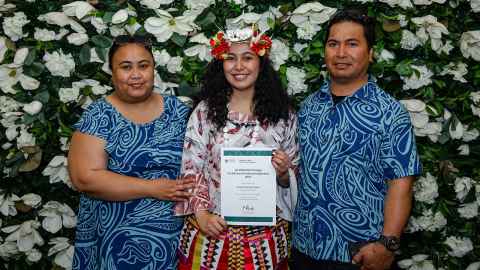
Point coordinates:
pixel 52 65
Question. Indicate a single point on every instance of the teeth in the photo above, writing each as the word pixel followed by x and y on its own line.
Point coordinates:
pixel 239 77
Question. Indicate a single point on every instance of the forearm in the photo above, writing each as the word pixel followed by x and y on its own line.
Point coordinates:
pixel 398 203
pixel 110 186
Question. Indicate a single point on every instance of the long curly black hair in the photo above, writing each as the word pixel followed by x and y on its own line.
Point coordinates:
pixel 271 102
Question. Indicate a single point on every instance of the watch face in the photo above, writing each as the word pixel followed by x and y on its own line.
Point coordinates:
pixel 392 243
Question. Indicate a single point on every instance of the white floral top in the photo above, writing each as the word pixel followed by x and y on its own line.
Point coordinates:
pixel 202 151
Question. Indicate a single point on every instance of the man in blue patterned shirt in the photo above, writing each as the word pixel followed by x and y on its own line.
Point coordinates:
pixel 358 160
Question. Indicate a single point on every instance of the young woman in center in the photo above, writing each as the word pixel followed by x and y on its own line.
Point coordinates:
pixel 242 104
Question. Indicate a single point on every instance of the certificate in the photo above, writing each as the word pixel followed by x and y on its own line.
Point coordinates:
pixel 248 186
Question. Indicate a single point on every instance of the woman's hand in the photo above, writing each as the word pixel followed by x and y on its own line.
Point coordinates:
pixel 173 190
pixel 210 224
pixel 281 163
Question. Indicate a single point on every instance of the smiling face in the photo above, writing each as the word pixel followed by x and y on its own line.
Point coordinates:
pixel 347 55
pixel 132 73
pixel 241 67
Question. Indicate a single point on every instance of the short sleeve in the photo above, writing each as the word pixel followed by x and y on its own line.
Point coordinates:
pixel 95 121
pixel 399 155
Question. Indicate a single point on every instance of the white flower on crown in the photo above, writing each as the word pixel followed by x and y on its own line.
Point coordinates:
pixel 308 17
pixel 201 50
pixel 7 204
pixel 164 25
pixel 462 187
pixel 63 251
pixel 59 64
pixel 457 70
pixel 409 40
pixel 429 27
pixel 57 214
pixel 11 74
pixel 13 26
pixel 296 80
pixel 468 210
pixel 24 235
pixel 459 246
pixel 470 44
pixel 417 262
pixel 425 189
pixel 279 53
pixel 57 171
pixel 417 81
pixel 401 3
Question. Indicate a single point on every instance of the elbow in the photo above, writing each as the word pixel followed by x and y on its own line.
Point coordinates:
pixel 80 181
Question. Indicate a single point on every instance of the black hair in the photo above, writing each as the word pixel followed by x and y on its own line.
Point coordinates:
pixel 119 41
pixel 356 16
pixel 271 102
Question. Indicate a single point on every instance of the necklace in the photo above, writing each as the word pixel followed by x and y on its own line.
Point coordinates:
pixel 238 132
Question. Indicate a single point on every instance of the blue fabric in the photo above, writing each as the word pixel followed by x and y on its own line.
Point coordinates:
pixel 136 234
pixel 348 153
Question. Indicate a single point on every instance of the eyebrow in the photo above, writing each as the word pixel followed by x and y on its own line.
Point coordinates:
pixel 131 62
pixel 347 40
pixel 242 54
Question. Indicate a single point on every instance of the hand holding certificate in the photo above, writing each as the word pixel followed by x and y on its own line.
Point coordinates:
pixel 248 186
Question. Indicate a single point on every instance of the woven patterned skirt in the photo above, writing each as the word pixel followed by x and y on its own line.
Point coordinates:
pixel 241 247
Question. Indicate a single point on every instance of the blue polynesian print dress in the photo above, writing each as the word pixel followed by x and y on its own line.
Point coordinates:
pixel 141 233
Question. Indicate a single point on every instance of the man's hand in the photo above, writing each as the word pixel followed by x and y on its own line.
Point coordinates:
pixel 210 224
pixel 374 256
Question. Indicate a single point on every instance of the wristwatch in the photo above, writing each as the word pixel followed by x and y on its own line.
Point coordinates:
pixel 392 243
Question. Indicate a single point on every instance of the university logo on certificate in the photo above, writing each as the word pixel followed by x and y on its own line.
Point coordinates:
pixel 248 186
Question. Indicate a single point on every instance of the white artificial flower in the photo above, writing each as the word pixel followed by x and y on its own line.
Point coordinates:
pixel 163 26
pixel 7 204
pixel 477 193
pixel 308 17
pixel 99 24
pixel 385 56
pixel 401 3
pixel 459 246
pixel 59 64
pixel 33 255
pixel 409 40
pixel 94 56
pixel 455 130
pixel 239 2
pixel 298 47
pixel 77 38
pixel 25 139
pixel 13 26
pixel 24 235
pixel 475 4
pixel 417 262
pixel 33 107
pixel 64 251
pixel 120 16
pixel 427 2
pixel 201 50
pixel 78 9
pixel 414 105
pixel 430 28
pixel 427 222
pixel 425 189
pixel 470 135
pixel 60 19
pixel 8 104
pixel 44 34
pixel 198 4
pixel 3 48
pixel 57 214
pixel 8 250
pixel 117 30
pixel 468 210
pixel 296 80
pixel 474 266
pixel 161 58
pixel 155 4
pixel 5 7
pixel 464 150
pixel 446 48
pixel 11 74
pixel 65 144
pixel 416 82
pixel 57 171
pixel 279 53
pixel 462 187
pixel 132 28
pixel 174 65
pixel 67 95
pixel 242 20
pixel 162 87
pixel 31 199
pixel 470 44
pixel 458 70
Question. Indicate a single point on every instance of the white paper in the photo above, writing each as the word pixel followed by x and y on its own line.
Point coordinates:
pixel 248 186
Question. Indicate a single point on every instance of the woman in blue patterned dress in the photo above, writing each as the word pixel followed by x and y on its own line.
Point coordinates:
pixel 124 158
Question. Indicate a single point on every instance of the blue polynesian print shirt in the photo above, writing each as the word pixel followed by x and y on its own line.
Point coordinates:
pixel 348 153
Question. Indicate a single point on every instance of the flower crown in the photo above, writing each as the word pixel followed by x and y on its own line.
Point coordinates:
pixel 220 42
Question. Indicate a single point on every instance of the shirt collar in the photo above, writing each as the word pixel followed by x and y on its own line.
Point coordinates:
pixel 366 92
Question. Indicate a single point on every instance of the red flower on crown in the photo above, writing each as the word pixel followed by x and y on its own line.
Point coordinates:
pixel 219 45
pixel 262 46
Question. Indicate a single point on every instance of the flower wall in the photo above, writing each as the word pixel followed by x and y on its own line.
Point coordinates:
pixel 53 65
